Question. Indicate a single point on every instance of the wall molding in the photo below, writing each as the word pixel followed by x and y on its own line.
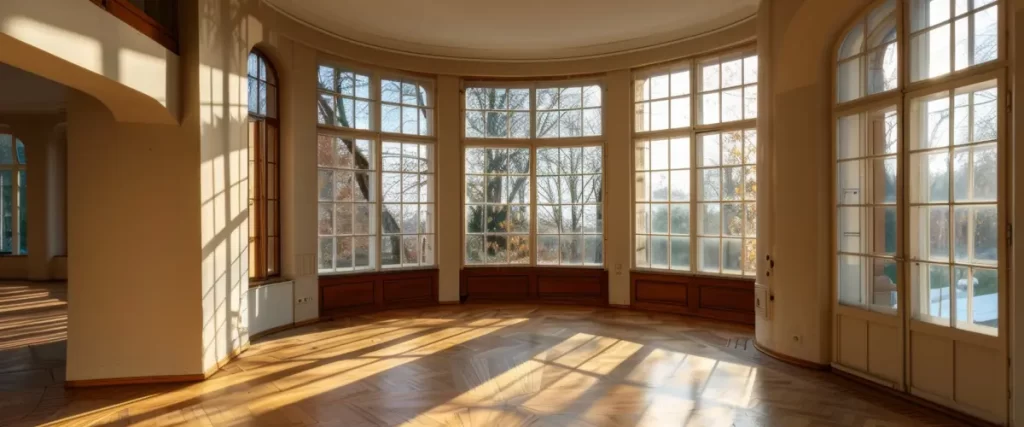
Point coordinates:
pixel 792 360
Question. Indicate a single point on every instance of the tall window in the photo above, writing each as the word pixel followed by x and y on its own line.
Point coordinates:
pixel 264 171
pixel 535 199
pixel 954 210
pixel 13 194
pixel 375 162
pixel 727 192
pixel 695 183
pixel 953 230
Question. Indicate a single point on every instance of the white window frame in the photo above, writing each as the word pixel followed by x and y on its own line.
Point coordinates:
pixel 378 138
pixel 901 97
pixel 693 132
pixel 532 143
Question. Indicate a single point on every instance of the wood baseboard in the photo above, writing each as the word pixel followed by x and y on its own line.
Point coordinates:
pixel 162 379
pixel 622 306
pixel 792 360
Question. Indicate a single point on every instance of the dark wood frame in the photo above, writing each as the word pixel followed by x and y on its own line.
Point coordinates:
pixel 346 294
pixel 264 151
pixel 722 298
pixel 138 19
pixel 587 286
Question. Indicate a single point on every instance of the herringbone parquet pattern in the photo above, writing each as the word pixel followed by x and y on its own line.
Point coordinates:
pixel 484 365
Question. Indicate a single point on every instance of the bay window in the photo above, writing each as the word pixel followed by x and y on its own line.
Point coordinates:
pixel 695 177
pixel 375 171
pixel 533 175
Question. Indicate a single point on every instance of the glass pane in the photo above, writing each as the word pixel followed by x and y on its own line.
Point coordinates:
pixel 659 251
pixel 547 249
pixel 680 253
pixel 659 218
pixel 848 80
pixel 474 249
pixel 593 252
pixel 709 108
pixel 884 283
pixel 933 59
pixel 986 35
pixel 710 220
pixel 853 43
pixel 985 305
pixel 710 255
pixel 931 284
pixel 680 219
pixel 571 249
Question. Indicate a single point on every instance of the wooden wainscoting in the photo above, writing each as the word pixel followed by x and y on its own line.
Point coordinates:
pixel 346 294
pixel 713 297
pixel 535 284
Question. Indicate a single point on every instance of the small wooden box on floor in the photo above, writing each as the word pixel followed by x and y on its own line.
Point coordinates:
pixel 713 297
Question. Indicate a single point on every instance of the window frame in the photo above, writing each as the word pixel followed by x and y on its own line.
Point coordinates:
pixel 378 138
pixel 16 168
pixel 693 132
pixel 901 97
pixel 532 143
pixel 258 203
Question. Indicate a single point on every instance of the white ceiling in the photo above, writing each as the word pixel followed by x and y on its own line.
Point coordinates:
pixel 517 29
pixel 24 92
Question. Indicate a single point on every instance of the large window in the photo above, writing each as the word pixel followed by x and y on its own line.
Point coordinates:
pixel 375 162
pixel 952 229
pixel 264 170
pixel 954 211
pixel 536 198
pixel 695 184
pixel 726 196
pixel 13 195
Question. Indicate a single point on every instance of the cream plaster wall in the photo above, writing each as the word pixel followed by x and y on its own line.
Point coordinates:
pixel 133 246
pixel 81 46
pixel 795 139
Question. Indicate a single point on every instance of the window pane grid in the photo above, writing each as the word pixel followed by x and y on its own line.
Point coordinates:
pixel 726 209
pixel 407 215
pixel 497 205
pixel 569 197
pixel 727 90
pixel 954 216
pixel 346 194
pixel 662 101
pixel 568 112
pixel 668 225
pixel 947 36
pixel 662 222
pixel 869 55
pixel 405 108
pixel 344 99
pixel 867 169
pixel 498 113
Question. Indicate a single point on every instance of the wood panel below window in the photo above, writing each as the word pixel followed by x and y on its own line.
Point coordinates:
pixel 535 284
pixel 720 298
pixel 347 294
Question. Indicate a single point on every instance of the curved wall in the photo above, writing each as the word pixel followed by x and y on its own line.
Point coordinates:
pixel 284 25
pixel 794 142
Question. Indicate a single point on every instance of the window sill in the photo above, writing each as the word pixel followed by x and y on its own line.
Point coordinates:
pixel 378 272
pixel 734 277
pixel 13 255
pixel 267 282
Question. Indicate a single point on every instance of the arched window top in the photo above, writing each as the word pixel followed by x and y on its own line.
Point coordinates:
pixel 12 150
pixel 868 60
pixel 262 86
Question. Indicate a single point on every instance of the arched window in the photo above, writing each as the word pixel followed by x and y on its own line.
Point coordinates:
pixel 13 205
pixel 264 170
pixel 920 211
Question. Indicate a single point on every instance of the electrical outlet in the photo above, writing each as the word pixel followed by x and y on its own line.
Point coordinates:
pixel 304 300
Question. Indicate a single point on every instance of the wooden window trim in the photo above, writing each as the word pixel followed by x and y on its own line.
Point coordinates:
pixel 261 270
pixel 138 19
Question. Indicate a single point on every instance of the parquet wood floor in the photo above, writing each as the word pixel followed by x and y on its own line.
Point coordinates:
pixel 486 365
